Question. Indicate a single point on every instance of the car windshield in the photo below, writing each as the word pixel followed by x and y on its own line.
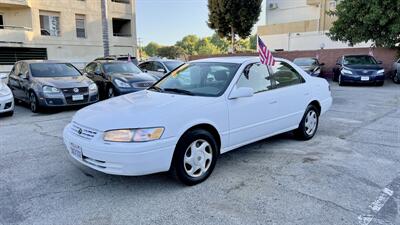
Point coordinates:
pixel 125 67
pixel 171 65
pixel 53 70
pixel 359 60
pixel 305 61
pixel 199 79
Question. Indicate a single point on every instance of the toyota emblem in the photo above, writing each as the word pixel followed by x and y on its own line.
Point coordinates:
pixel 76 90
pixel 80 131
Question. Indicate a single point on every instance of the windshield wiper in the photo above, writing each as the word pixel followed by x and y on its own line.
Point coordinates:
pixel 156 88
pixel 180 91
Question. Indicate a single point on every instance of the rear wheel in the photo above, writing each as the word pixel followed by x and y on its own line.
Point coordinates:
pixel 309 124
pixel 33 102
pixel 195 157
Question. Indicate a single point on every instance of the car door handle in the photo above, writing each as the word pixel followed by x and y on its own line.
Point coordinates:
pixel 273 102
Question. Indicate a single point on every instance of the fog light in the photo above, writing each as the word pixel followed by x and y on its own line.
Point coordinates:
pixel 8 105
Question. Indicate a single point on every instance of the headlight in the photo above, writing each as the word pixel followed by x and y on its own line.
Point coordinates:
pixel 134 135
pixel 93 87
pixel 122 84
pixel 50 90
pixel 381 72
pixel 346 71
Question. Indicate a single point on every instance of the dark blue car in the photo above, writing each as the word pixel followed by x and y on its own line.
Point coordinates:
pixel 363 69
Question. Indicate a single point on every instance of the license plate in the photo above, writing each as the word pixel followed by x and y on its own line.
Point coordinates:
pixel 76 150
pixel 77 97
pixel 365 78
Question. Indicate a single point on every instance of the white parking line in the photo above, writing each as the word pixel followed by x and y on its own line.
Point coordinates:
pixel 375 207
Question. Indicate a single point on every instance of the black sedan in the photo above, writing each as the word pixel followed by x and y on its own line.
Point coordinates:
pixel 45 83
pixel 117 77
pixel 363 69
pixel 311 65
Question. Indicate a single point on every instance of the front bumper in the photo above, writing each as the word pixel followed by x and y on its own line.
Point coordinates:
pixel 58 100
pixel 6 103
pixel 128 159
pixel 359 79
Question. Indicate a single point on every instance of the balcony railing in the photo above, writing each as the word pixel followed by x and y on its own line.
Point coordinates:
pixel 19 3
pixel 13 34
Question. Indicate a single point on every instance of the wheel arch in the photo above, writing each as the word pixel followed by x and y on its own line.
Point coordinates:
pixel 317 105
pixel 207 127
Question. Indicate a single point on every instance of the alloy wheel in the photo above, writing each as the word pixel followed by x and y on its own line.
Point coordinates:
pixel 311 122
pixel 396 78
pixel 110 92
pixel 198 158
pixel 33 103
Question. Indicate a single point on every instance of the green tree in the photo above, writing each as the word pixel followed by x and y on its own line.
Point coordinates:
pixel 362 21
pixel 171 52
pixel 253 42
pixel 189 44
pixel 205 47
pixel 151 49
pixel 221 43
pixel 233 17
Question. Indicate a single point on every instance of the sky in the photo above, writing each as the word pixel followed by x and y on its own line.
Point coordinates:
pixel 168 21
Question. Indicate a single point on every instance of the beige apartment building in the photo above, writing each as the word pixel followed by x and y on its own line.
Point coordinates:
pixel 299 25
pixel 72 30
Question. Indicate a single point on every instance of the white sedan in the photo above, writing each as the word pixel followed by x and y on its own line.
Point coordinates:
pixel 6 100
pixel 203 109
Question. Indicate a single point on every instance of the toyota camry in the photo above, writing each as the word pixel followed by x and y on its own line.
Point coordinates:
pixel 188 118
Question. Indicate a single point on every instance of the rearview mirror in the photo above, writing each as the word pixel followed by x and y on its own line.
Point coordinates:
pixel 241 92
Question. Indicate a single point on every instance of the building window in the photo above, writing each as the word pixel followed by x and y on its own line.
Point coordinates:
pixel 121 27
pixel 122 1
pixel 49 23
pixel 1 22
pixel 80 26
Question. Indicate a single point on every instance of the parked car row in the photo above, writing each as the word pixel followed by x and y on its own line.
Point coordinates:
pixel 49 83
pixel 351 69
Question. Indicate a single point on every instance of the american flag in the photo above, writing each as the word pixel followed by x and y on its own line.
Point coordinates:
pixel 266 56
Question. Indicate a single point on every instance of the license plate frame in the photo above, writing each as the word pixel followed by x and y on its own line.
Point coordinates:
pixel 77 97
pixel 75 150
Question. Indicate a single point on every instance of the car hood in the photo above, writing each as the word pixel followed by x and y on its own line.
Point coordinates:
pixel 4 90
pixel 64 82
pixel 364 67
pixel 133 77
pixel 139 109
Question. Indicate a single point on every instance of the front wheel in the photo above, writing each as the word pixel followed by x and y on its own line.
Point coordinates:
pixel 195 157
pixel 309 124
pixel 33 103
pixel 396 78
pixel 110 92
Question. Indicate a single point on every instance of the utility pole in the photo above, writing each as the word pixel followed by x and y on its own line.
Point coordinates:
pixel 104 25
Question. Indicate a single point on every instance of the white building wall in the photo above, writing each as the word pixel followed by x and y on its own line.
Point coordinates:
pixel 288 11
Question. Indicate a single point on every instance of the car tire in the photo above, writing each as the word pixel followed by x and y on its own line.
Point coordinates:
pixel 309 124
pixel 341 83
pixel 195 157
pixel 396 78
pixel 110 92
pixel 33 103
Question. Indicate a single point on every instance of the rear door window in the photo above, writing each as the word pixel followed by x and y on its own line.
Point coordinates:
pixel 285 75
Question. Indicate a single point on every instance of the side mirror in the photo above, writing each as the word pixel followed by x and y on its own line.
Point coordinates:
pixel 161 70
pixel 380 62
pixel 338 64
pixel 241 92
pixel 322 64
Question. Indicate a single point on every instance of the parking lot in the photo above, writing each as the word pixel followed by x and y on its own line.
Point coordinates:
pixel 348 174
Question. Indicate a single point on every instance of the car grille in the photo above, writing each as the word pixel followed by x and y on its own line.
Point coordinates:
pixel 364 72
pixel 82 131
pixel 142 84
pixel 81 90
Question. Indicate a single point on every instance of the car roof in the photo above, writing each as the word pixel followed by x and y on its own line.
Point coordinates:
pixel 41 61
pixel 229 59
pixel 351 55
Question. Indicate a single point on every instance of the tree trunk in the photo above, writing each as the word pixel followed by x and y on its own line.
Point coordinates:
pixel 233 39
